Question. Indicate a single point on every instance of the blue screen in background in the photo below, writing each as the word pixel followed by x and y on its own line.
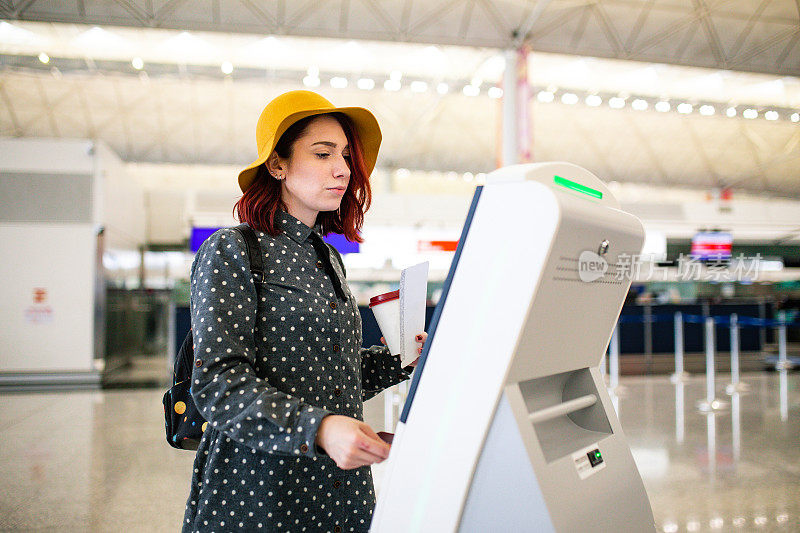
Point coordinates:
pixel 199 235
pixel 341 244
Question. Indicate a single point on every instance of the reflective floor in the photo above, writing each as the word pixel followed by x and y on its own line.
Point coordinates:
pixel 98 461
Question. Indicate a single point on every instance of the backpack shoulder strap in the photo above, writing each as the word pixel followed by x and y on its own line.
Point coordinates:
pixel 253 251
pixel 338 257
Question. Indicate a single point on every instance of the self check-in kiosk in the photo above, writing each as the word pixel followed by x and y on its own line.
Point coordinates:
pixel 508 425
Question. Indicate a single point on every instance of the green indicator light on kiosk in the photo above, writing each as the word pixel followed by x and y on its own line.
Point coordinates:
pixel 594 457
pixel 577 187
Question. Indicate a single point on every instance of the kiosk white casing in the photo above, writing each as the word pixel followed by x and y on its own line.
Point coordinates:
pixel 508 400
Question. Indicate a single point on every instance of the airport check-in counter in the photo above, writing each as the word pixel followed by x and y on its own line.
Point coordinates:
pixel 508 425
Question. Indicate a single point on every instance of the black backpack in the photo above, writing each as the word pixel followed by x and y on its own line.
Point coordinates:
pixel 183 422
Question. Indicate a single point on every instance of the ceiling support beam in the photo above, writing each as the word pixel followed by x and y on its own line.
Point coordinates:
pixel 10 107
pixel 496 18
pixel 48 107
pixel 465 19
pixel 530 20
pixel 755 17
pixel 433 16
pixel 381 14
pixel 262 15
pixel 648 148
pixel 578 35
pixel 687 39
pixel 711 32
pixel 668 32
pixel 698 144
pixel 167 9
pixel 753 142
pixel 639 24
pixel 406 17
pixel 309 7
pixel 344 15
pixel 769 43
pixel 608 29
pixel 787 49
pixel 134 11
pixel 21 8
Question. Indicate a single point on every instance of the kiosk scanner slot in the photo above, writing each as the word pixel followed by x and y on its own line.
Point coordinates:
pixel 565 412
pixel 508 425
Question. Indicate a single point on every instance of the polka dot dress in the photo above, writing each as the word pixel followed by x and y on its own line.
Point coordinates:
pixel 270 363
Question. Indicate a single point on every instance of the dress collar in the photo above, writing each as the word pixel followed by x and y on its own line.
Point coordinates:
pixel 295 229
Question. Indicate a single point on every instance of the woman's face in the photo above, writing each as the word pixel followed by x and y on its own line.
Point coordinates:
pixel 317 172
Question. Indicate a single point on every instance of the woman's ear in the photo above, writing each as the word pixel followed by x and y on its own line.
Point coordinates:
pixel 274 165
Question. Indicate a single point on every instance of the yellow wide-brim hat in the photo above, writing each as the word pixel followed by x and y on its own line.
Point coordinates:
pixel 290 107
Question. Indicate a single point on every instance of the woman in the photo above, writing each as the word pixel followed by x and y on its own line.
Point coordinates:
pixel 280 374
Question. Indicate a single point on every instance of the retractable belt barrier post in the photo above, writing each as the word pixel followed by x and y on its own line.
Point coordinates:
pixel 735 386
pixel 711 403
pixel 783 366
pixel 783 363
pixel 680 375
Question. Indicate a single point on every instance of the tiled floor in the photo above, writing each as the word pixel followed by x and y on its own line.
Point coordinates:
pixel 98 461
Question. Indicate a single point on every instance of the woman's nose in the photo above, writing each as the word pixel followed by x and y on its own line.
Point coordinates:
pixel 341 169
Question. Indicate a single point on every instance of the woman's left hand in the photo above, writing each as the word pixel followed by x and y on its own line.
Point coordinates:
pixel 421 338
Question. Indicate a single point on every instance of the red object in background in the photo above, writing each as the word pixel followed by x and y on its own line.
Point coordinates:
pixel 712 245
pixel 726 194
pixel 39 295
pixel 437 246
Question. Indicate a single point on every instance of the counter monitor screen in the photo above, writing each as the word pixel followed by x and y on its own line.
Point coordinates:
pixel 712 246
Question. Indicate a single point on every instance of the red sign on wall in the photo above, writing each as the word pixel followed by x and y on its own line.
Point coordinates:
pixel 437 246
pixel 39 295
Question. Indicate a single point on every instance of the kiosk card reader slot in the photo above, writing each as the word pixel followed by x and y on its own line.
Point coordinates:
pixel 508 423
pixel 565 412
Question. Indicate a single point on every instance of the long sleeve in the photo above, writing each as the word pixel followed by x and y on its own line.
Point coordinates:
pixel 225 387
pixel 380 370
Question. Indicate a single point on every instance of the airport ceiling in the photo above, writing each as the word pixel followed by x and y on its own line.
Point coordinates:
pixel 749 35
pixel 186 110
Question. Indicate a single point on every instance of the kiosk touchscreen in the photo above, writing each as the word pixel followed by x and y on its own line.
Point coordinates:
pixel 508 425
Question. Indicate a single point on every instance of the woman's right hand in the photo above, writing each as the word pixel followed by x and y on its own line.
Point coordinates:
pixel 350 442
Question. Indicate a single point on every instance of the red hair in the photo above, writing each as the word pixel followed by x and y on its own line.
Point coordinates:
pixel 261 201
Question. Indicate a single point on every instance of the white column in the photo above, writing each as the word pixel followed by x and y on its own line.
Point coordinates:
pixel 510 141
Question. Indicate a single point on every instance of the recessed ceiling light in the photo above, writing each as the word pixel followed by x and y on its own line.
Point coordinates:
pixel 569 98
pixel 366 84
pixel 616 102
pixel 545 96
pixel 593 100
pixel 707 110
